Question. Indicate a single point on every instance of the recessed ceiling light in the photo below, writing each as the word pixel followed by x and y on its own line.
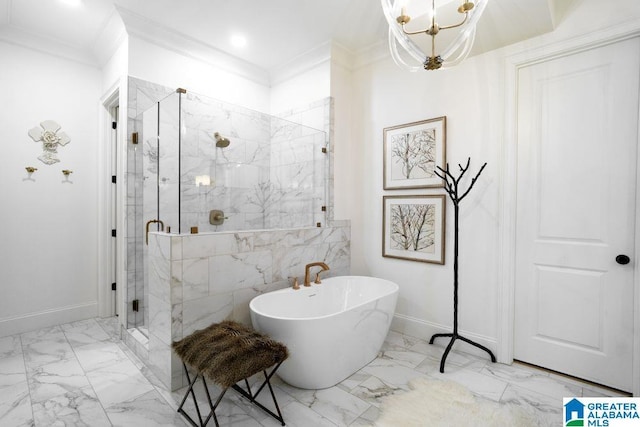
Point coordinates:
pixel 71 3
pixel 238 40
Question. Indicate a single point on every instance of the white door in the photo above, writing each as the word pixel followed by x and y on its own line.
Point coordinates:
pixel 577 142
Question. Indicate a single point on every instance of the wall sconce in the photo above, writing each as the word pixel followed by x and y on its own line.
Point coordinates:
pixel 31 169
pixel 66 172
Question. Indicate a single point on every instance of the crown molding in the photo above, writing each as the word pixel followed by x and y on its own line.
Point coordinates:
pixel 18 37
pixel 168 38
pixel 110 38
pixel 301 63
pixel 373 53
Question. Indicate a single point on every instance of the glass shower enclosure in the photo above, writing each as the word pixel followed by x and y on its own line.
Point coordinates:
pixel 201 165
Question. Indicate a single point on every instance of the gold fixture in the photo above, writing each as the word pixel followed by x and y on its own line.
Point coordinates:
pixel 168 229
pixel 397 17
pixel 31 169
pixel 180 90
pixel 153 221
pixel 216 217
pixel 134 138
pixel 194 230
pixel 221 141
pixel 296 285
pixel 307 267
pixel 66 172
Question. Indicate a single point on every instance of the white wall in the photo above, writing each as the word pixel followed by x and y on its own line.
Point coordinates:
pixel 472 96
pixel 169 68
pixel 301 89
pixel 48 253
pixel 116 67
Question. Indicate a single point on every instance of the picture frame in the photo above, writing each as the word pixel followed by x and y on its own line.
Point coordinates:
pixel 413 227
pixel 411 153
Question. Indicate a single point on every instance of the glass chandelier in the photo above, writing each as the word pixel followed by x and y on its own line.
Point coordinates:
pixel 395 11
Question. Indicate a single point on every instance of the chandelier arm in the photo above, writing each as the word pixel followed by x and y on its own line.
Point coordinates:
pixel 466 16
pixel 413 33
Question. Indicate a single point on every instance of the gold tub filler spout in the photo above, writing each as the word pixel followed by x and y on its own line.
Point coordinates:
pixel 153 221
pixel 307 267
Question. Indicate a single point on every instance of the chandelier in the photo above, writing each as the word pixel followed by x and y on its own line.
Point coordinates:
pixel 397 14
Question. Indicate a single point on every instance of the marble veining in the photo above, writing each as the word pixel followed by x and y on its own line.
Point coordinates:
pixel 102 383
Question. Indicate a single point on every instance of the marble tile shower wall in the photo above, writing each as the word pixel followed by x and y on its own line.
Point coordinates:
pixel 272 175
pixel 196 280
pixel 317 115
pixel 193 280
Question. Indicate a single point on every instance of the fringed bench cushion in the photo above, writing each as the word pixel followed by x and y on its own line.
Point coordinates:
pixel 229 352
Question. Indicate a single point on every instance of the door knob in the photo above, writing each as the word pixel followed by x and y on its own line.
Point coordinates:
pixel 622 259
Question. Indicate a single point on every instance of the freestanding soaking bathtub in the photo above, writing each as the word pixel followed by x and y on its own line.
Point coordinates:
pixel 332 329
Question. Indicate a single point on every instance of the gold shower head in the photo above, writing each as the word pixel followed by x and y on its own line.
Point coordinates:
pixel 221 141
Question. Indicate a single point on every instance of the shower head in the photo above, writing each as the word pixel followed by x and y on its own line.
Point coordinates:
pixel 221 141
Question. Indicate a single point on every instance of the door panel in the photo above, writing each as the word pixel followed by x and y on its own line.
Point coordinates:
pixel 577 142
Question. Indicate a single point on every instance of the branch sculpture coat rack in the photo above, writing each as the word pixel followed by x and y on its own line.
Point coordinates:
pixel 451 187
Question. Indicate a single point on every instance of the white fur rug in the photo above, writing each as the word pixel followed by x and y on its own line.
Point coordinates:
pixel 437 403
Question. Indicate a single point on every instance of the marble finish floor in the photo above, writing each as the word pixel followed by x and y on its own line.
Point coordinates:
pixel 80 374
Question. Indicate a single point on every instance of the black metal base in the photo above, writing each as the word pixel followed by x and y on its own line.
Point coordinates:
pixel 455 337
pixel 212 406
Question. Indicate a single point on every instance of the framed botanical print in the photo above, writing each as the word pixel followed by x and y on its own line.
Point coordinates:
pixel 411 153
pixel 413 228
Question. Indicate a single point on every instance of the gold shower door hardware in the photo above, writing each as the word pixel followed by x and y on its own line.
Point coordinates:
pixel 146 233
pixel 134 138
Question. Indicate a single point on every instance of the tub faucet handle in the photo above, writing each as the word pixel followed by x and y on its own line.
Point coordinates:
pixel 296 285
pixel 317 281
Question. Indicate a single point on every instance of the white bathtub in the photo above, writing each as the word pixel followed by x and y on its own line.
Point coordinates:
pixel 332 329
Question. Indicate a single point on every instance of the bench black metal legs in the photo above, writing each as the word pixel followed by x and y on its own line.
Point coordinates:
pixel 213 406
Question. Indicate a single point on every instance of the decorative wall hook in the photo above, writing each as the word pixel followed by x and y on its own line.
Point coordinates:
pixel 66 172
pixel 31 169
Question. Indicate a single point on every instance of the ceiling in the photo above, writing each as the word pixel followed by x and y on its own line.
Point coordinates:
pixel 276 30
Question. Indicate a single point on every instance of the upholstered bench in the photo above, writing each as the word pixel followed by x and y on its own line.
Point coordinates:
pixel 228 353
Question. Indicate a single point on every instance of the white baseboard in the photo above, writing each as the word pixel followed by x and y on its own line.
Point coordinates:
pixel 43 319
pixel 424 330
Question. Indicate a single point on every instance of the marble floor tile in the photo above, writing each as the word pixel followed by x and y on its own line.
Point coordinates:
pixel 373 390
pixel 119 382
pixel 81 374
pixel 84 332
pixel 54 379
pixel 79 407
pixel 149 410
pixel 547 410
pixel 539 382
pixel 15 404
pixel 100 355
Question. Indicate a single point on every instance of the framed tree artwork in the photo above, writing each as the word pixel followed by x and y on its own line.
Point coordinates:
pixel 412 152
pixel 413 228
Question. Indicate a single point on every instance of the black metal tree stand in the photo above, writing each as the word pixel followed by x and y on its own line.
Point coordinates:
pixel 451 187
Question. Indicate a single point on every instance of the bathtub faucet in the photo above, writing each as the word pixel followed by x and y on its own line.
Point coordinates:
pixel 307 267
